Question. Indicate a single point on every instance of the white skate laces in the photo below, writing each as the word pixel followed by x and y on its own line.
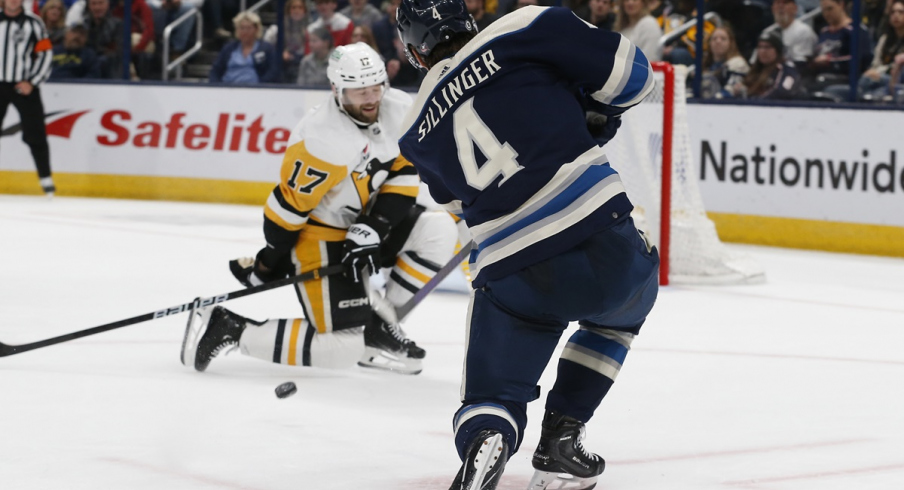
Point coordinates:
pixel 578 444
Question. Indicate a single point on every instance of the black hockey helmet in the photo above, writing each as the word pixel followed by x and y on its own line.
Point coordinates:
pixel 425 23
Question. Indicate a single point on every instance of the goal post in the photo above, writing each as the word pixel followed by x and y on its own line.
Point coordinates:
pixel 652 153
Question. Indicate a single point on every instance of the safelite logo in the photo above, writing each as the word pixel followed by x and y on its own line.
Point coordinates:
pixel 232 132
pixel 61 127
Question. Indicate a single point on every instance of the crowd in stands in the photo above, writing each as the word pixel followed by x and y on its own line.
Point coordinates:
pixel 757 49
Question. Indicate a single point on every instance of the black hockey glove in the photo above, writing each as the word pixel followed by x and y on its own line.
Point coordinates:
pixel 601 127
pixel 362 245
pixel 267 267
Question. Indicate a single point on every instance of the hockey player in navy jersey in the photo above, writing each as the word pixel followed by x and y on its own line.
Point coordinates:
pixel 499 133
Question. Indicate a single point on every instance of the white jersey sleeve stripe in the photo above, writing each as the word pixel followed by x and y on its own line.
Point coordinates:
pixel 620 73
pixel 288 216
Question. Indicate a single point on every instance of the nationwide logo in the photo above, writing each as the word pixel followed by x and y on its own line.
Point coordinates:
pixel 61 127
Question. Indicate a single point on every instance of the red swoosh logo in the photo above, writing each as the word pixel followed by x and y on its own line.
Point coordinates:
pixel 62 127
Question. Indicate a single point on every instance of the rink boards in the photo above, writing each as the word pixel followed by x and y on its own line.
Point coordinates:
pixel 829 179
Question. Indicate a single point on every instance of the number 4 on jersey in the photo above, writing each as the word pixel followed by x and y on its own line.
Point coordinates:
pixel 469 130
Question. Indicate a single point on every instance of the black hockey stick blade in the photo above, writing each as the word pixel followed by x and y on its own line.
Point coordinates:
pixel 385 310
pixel 8 350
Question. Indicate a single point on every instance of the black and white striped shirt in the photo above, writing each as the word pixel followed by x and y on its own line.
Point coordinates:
pixel 25 50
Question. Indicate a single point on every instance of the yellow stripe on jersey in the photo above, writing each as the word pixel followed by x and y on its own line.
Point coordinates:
pixel 293 342
pixel 304 180
pixel 402 179
pixel 420 276
pixel 310 255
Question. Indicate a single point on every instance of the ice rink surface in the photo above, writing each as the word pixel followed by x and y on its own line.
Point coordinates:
pixel 794 384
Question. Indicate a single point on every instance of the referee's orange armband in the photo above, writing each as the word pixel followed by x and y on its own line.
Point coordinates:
pixel 43 45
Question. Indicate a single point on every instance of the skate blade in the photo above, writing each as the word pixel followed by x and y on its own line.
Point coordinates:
pixel 545 480
pixel 379 359
pixel 493 449
pixel 194 330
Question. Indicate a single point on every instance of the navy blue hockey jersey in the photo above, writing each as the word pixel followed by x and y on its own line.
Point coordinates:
pixel 498 135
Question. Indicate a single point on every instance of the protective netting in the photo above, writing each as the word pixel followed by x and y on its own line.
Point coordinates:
pixel 697 256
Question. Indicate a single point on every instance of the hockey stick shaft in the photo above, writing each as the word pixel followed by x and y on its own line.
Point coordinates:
pixel 389 314
pixel 447 269
pixel 8 350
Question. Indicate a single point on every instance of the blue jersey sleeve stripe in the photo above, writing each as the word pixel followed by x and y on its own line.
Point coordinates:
pixel 637 82
pixel 589 178
pixel 618 73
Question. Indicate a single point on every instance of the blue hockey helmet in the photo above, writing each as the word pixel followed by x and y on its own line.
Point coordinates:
pixel 425 23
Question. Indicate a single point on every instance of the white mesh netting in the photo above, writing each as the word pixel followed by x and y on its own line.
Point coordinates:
pixel 696 256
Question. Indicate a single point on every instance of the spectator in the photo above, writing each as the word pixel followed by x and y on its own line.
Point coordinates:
pixel 598 13
pixel 66 3
pixel 362 13
pixel 385 31
pixel 658 8
pixel 400 72
pixel 339 25
pixel 833 49
pixel 748 19
pixel 73 58
pixel 798 37
pixel 53 13
pixel 635 23
pixel 897 77
pixel 142 25
pixel 312 71
pixel 295 25
pixel 772 77
pixel 525 3
pixel 876 80
pixel 213 12
pixel 682 51
pixel 724 68
pixel 104 36
pixel 165 12
pixel 363 34
pixel 478 11
pixel 248 59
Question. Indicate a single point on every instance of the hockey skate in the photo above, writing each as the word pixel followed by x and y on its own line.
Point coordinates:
pixel 483 464
pixel 386 348
pixel 560 461
pixel 210 331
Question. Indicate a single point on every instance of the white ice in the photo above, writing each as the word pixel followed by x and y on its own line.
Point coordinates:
pixel 794 384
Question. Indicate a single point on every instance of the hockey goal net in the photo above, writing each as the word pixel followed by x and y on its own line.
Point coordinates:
pixel 652 144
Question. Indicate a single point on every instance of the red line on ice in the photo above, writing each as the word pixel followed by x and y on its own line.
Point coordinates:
pixel 188 476
pixel 736 452
pixel 822 474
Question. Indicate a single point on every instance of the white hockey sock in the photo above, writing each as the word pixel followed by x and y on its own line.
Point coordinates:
pixel 296 343
pixel 429 246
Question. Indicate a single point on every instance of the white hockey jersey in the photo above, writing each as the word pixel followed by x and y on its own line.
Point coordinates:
pixel 333 170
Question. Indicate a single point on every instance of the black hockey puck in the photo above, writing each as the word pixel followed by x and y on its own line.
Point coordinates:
pixel 286 390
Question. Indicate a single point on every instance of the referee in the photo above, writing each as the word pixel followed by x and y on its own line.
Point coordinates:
pixel 25 58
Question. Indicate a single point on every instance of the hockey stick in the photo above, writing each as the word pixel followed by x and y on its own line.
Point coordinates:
pixel 393 315
pixel 8 350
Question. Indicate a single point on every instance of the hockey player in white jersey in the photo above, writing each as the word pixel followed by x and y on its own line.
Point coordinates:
pixel 499 132
pixel 345 196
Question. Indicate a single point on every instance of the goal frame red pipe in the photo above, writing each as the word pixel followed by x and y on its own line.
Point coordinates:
pixel 665 205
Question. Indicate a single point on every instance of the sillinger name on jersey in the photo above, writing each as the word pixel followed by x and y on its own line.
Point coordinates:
pixel 479 71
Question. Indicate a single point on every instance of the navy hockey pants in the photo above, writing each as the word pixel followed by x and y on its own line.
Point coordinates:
pixel 608 284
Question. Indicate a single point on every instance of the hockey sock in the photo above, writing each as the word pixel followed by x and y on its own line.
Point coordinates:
pixel 297 343
pixel 507 418
pixel 587 368
pixel 408 276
